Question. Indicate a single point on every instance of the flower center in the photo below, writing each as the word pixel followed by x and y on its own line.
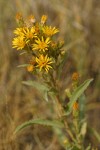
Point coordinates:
pixel 42 45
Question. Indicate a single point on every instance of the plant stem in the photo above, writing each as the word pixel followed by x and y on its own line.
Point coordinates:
pixel 61 112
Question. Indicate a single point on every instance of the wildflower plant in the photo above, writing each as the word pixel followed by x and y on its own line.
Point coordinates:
pixel 39 42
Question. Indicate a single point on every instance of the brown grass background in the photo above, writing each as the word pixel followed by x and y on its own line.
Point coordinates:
pixel 79 24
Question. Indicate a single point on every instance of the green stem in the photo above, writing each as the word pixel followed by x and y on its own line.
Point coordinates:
pixel 60 113
pixel 60 110
pixel 77 133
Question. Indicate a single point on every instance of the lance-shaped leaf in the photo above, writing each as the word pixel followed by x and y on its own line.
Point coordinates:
pixel 37 85
pixel 23 53
pixel 76 94
pixel 42 88
pixel 95 133
pixel 54 123
pixel 23 65
pixel 89 147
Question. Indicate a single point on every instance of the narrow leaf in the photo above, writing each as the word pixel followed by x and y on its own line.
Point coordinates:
pixel 77 93
pixel 89 147
pixel 23 53
pixel 83 129
pixel 36 85
pixel 53 123
pixel 82 103
pixel 95 133
pixel 23 65
pixel 46 96
pixel 42 88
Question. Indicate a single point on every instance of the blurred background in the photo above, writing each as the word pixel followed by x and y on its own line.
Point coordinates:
pixel 79 25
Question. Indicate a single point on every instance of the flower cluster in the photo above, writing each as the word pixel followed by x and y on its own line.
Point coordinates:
pixel 37 39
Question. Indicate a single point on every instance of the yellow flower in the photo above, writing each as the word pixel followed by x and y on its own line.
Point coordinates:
pixel 30 68
pixel 19 16
pixel 18 42
pixel 29 33
pixel 43 19
pixel 75 76
pixel 19 32
pixel 49 31
pixel 42 44
pixel 75 106
pixel 43 62
pixel 26 32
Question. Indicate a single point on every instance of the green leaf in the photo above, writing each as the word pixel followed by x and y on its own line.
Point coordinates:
pixel 83 129
pixel 44 122
pixel 23 53
pixel 77 93
pixel 42 88
pixel 62 138
pixel 82 103
pixel 23 65
pixel 37 85
pixel 46 96
pixel 89 147
pixel 95 133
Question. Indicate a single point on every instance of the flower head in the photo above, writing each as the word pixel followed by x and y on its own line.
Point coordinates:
pixel 49 31
pixel 32 19
pixel 30 68
pixel 44 62
pixel 18 42
pixel 75 76
pixel 19 32
pixel 43 19
pixel 29 33
pixel 19 16
pixel 41 44
pixel 75 106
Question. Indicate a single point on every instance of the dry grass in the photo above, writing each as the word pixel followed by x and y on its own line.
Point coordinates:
pixel 79 24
